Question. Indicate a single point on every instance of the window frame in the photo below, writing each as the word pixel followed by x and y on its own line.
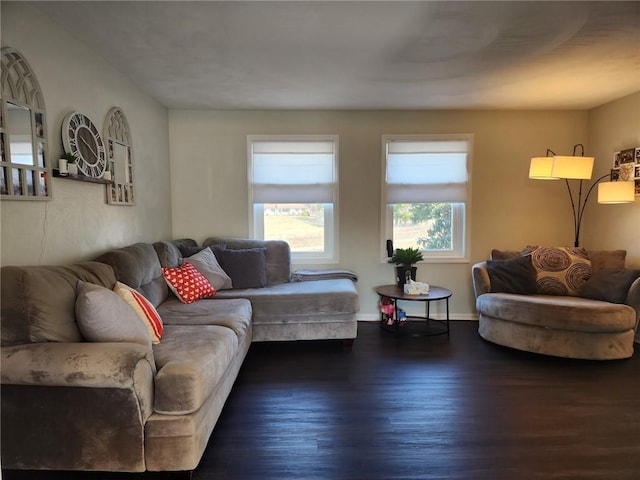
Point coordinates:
pixel 256 210
pixel 461 216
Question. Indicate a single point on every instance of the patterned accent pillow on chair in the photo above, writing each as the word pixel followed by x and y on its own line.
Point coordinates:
pixel 559 270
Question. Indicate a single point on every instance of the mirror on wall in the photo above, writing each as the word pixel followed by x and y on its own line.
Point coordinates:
pixel 24 166
pixel 119 158
pixel 19 133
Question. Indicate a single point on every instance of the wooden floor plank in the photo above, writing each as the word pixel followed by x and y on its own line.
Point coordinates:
pixel 456 408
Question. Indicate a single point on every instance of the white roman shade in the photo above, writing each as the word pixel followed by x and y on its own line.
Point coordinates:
pixel 293 172
pixel 426 171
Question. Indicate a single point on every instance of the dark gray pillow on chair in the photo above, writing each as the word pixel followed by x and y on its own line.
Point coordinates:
pixel 515 275
pixel 609 284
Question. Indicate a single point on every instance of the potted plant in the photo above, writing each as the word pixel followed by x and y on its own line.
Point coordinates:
pixel 405 259
pixel 72 166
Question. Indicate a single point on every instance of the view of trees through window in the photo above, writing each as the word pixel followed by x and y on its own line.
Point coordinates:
pixel 426 226
pixel 299 224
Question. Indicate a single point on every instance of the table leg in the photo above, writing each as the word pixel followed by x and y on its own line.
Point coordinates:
pixel 447 317
pixel 428 311
pixel 396 319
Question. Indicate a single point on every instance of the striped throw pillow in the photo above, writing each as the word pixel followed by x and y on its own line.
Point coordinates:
pixel 143 307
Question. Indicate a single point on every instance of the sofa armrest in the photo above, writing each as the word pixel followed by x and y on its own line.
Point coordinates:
pixel 105 365
pixel 75 406
pixel 480 277
pixel 633 299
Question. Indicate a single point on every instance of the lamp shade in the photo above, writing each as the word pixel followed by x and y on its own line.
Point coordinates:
pixel 540 168
pixel 616 192
pixel 579 168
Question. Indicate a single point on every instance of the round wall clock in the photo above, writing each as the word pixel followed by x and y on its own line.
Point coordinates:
pixel 81 139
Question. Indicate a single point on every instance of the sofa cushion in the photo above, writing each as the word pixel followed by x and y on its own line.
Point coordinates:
pixel 103 316
pixel 38 302
pixel 191 361
pixel 143 308
pixel 246 267
pixel 515 275
pixel 138 266
pixel 607 259
pixel 609 284
pixel 187 283
pixel 169 255
pixel 559 270
pixel 504 254
pixel 189 251
pixel 558 312
pixel 304 301
pixel 234 313
pixel 207 264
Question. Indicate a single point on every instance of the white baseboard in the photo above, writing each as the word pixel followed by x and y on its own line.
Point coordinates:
pixel 374 317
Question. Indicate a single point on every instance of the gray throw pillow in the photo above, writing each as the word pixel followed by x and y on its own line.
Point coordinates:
pixel 246 267
pixel 609 284
pixel 103 316
pixel 207 264
pixel 516 275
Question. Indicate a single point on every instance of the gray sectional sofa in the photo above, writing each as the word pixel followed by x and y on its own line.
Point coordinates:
pixel 70 404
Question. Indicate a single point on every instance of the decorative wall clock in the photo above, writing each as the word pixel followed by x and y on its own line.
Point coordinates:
pixel 82 139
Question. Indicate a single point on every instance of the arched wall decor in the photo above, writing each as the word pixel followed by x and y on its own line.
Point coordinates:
pixel 117 136
pixel 25 172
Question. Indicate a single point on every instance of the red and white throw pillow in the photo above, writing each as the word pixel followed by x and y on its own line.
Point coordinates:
pixel 144 308
pixel 187 283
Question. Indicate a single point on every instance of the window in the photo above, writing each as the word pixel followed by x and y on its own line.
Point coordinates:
pixel 293 193
pixel 425 194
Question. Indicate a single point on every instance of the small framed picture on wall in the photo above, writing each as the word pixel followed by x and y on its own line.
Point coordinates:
pixel 626 167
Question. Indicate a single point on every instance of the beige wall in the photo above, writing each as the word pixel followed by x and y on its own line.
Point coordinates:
pixel 78 224
pixel 206 193
pixel 209 181
pixel 612 127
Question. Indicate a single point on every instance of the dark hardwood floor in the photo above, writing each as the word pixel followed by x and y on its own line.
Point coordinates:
pixel 455 408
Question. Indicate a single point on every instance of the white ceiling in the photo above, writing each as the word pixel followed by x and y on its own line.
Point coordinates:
pixel 366 55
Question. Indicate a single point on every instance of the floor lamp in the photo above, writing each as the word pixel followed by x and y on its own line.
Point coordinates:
pixel 579 167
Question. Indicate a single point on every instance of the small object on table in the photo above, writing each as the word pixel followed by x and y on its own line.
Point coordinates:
pixel 416 288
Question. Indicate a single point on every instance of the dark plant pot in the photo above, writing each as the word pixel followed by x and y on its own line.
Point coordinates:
pixel 401 274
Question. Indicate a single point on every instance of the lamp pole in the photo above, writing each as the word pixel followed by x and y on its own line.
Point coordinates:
pixel 578 212
pixel 579 168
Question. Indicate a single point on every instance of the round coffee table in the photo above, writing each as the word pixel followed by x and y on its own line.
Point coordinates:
pixel 396 294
